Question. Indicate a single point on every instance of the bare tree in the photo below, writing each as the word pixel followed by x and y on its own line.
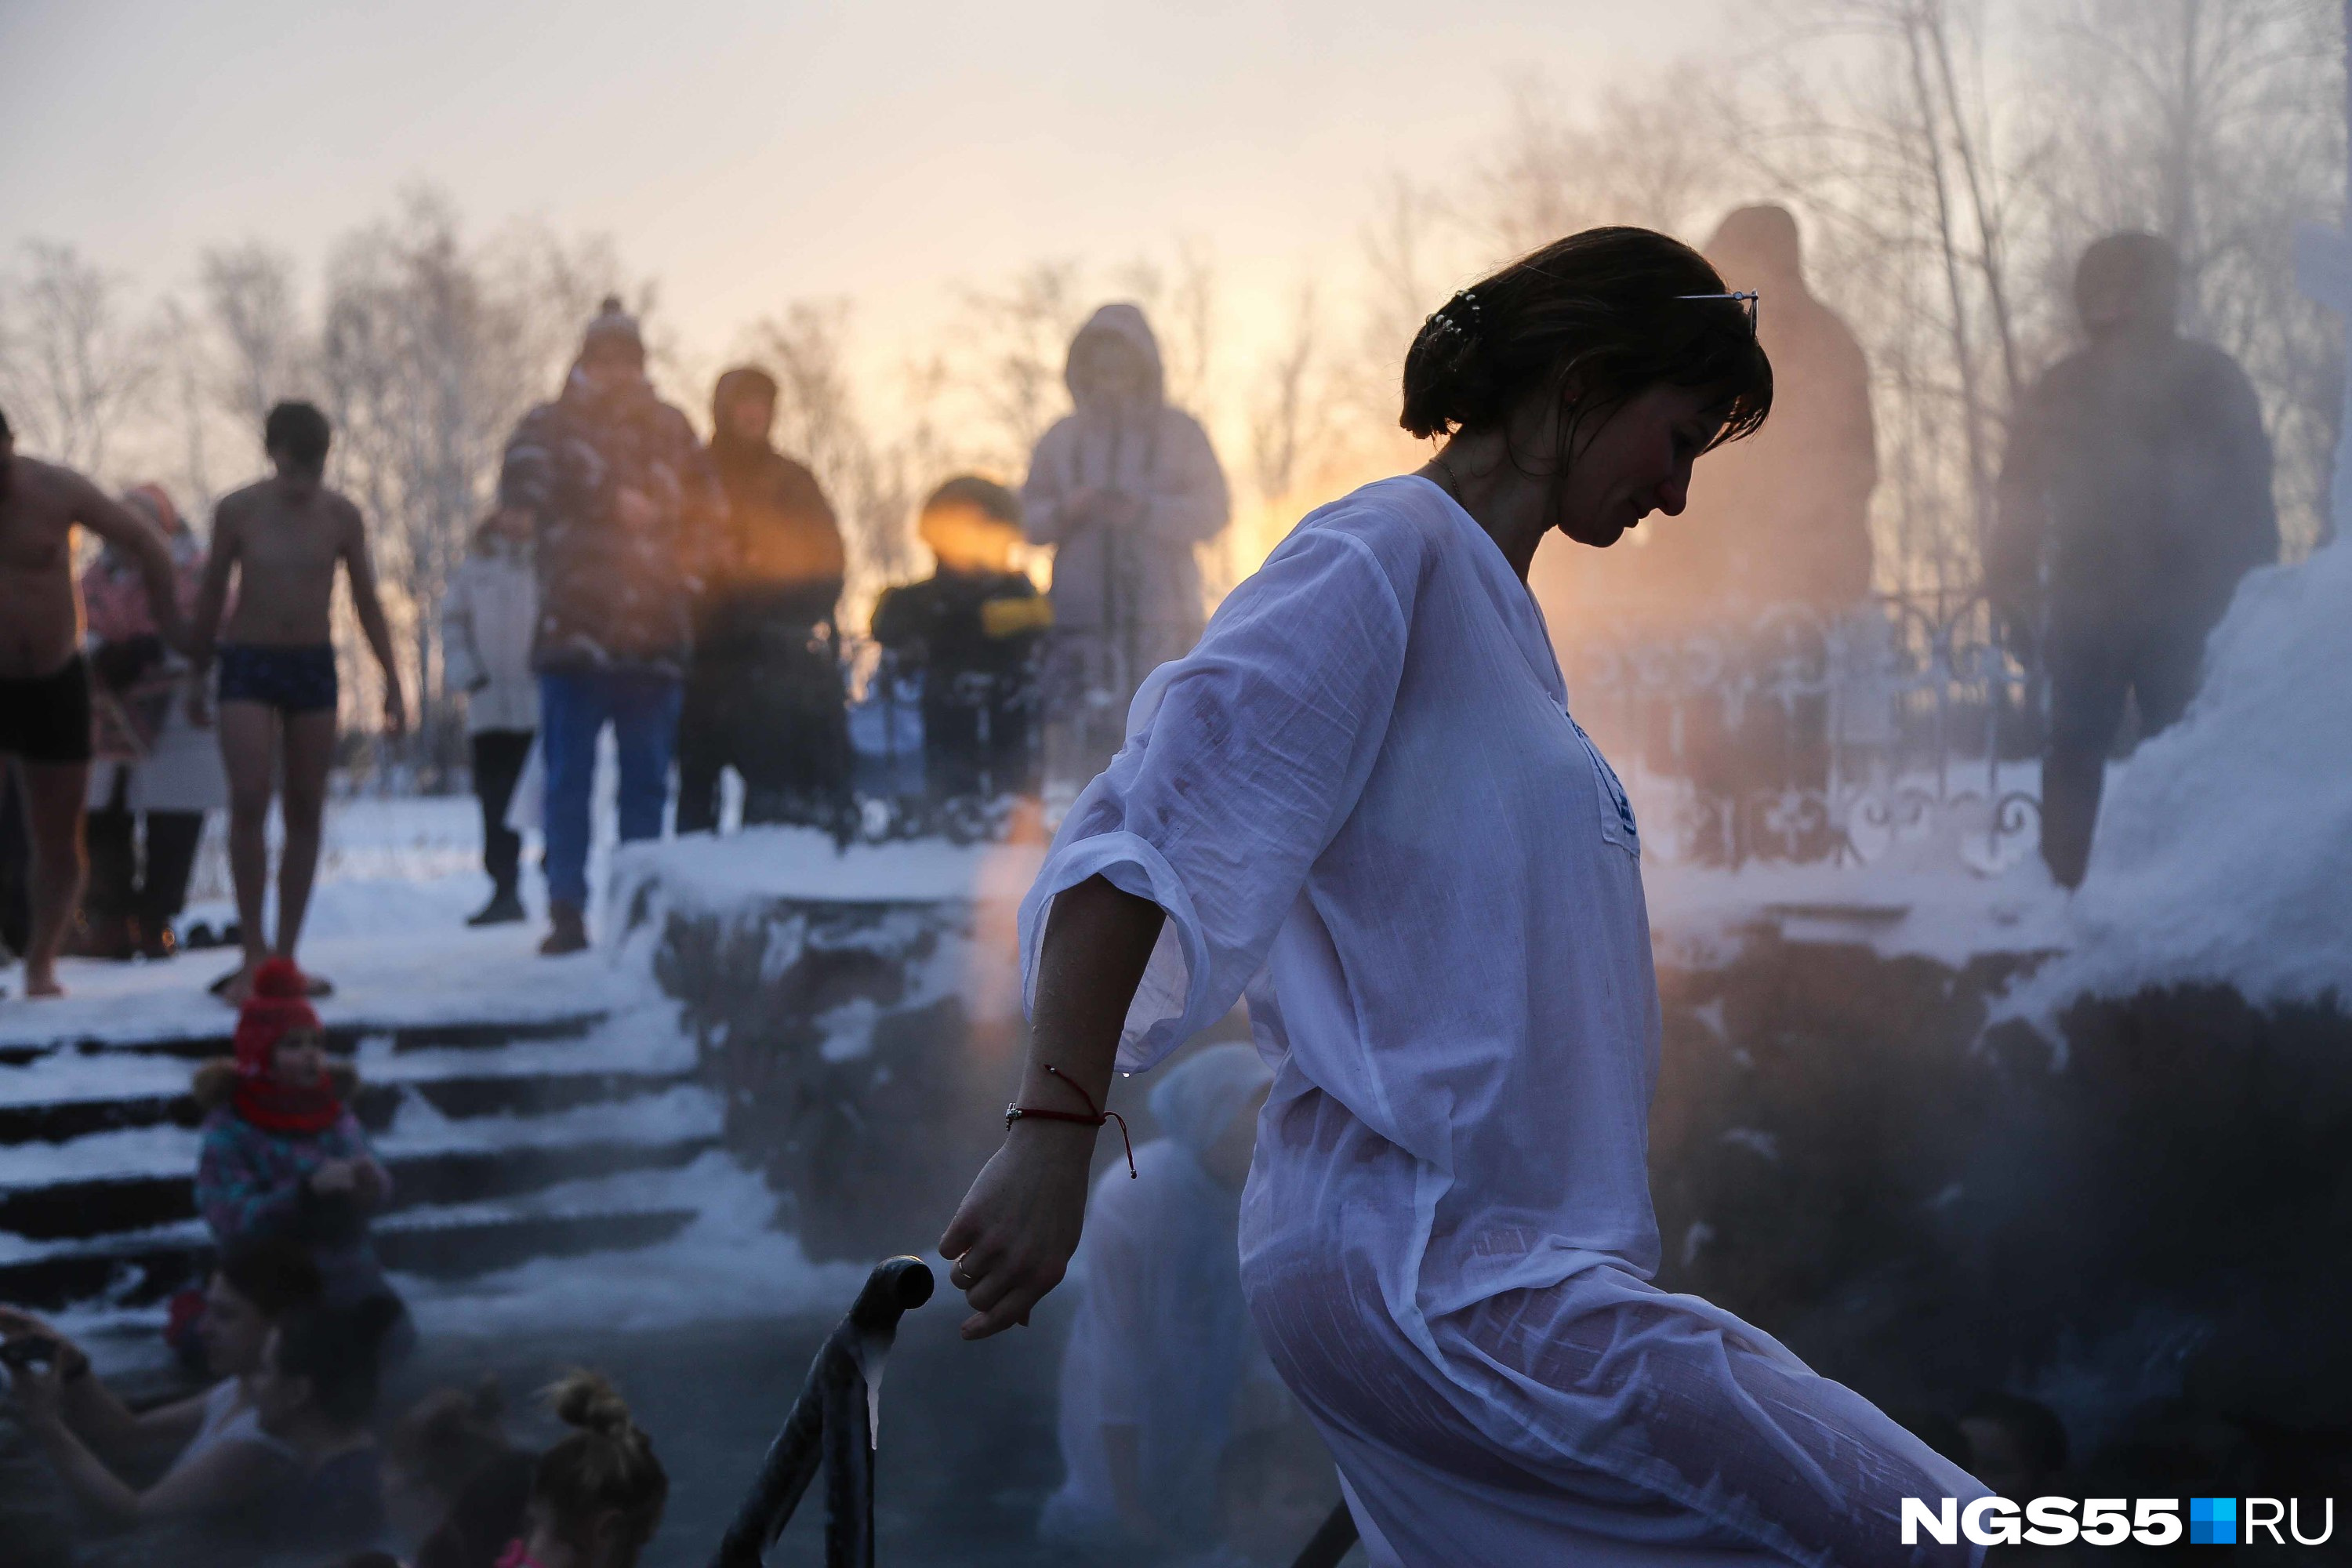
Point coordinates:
pixel 1653 155
pixel 1181 301
pixel 264 352
pixel 1893 128
pixel 872 483
pixel 1010 344
pixel 2218 126
pixel 73 363
pixel 1289 415
pixel 429 350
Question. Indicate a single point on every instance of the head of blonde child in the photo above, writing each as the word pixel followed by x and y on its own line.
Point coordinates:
pixel 972 525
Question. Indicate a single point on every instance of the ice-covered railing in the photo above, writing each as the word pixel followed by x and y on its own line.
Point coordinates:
pixel 1906 729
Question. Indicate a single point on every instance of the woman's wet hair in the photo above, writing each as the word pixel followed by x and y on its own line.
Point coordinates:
pixel 445 1438
pixel 276 1274
pixel 341 1350
pixel 607 1466
pixel 1601 317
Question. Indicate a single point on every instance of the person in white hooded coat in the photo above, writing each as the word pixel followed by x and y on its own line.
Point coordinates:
pixel 1123 489
pixel 488 618
pixel 1160 1353
pixel 1364 798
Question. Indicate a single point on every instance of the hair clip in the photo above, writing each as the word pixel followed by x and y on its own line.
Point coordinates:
pixel 1446 320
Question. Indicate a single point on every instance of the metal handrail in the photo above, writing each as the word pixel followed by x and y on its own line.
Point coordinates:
pixel 1330 1541
pixel 835 1422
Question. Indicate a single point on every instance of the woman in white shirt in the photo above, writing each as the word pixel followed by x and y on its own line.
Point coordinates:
pixel 1363 799
pixel 220 1454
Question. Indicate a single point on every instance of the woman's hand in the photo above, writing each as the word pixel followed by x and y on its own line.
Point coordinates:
pixel 39 1389
pixel 1014 1235
pixel 334 1176
pixel 18 1325
pixel 1013 1238
pixel 72 1360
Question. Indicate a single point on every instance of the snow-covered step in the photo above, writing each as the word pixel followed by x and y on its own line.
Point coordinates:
pixel 89 1205
pixel 408 1123
pixel 447 1241
pixel 551 1133
pixel 343 1034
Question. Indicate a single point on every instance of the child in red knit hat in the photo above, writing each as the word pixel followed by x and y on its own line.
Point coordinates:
pixel 282 1155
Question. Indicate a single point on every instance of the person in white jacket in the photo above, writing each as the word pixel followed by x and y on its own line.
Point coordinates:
pixel 486 620
pixel 1123 489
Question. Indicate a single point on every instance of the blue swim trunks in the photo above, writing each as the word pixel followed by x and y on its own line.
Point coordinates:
pixel 290 678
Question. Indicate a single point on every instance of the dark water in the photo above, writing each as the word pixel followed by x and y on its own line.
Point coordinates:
pixel 967 1452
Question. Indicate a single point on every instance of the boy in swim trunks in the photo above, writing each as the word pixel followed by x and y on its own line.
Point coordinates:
pixel 284 538
pixel 44 684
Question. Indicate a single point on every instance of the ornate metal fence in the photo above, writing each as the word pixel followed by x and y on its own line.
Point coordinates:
pixel 1906 731
pixel 1903 732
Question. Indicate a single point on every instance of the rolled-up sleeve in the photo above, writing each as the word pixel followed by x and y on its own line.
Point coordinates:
pixel 1242 762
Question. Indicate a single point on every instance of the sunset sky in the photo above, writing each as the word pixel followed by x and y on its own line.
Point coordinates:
pixel 745 154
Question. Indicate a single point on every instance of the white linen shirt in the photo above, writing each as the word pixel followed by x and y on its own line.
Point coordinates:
pixel 1364 798
pixel 1437 872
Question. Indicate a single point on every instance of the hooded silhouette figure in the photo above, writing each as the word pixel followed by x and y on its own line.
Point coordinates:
pixel 1123 489
pixel 1782 517
pixel 2136 493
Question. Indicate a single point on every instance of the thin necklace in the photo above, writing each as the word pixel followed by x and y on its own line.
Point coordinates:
pixel 1447 483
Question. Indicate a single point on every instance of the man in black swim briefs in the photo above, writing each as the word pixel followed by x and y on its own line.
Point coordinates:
pixel 292 680
pixel 44 683
pixel 283 537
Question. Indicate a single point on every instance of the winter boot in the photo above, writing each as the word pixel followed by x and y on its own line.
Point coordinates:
pixel 566 931
pixel 505 908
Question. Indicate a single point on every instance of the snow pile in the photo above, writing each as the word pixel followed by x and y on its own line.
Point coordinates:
pixel 1700 915
pixel 2224 850
pixel 709 874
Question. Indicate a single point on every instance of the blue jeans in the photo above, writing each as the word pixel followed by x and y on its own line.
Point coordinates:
pixel 574 709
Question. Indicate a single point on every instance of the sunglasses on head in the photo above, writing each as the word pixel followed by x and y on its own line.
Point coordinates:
pixel 1750 302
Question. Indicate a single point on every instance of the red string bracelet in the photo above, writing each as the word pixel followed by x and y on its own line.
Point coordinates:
pixel 1095 1118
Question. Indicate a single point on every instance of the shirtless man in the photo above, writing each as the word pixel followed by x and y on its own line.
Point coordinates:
pixel 283 537
pixel 44 684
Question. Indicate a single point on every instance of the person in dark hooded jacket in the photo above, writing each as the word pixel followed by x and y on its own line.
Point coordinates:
pixel 625 514
pixel 969 628
pixel 2136 493
pixel 764 692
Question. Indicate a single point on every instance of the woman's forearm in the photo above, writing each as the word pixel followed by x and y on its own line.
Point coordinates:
pixel 84 1475
pixel 1014 1235
pixel 1097 943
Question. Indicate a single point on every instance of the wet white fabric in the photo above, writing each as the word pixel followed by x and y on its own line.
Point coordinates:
pixel 1161 1343
pixel 1196 1102
pixel 1362 797
pixel 228 1418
